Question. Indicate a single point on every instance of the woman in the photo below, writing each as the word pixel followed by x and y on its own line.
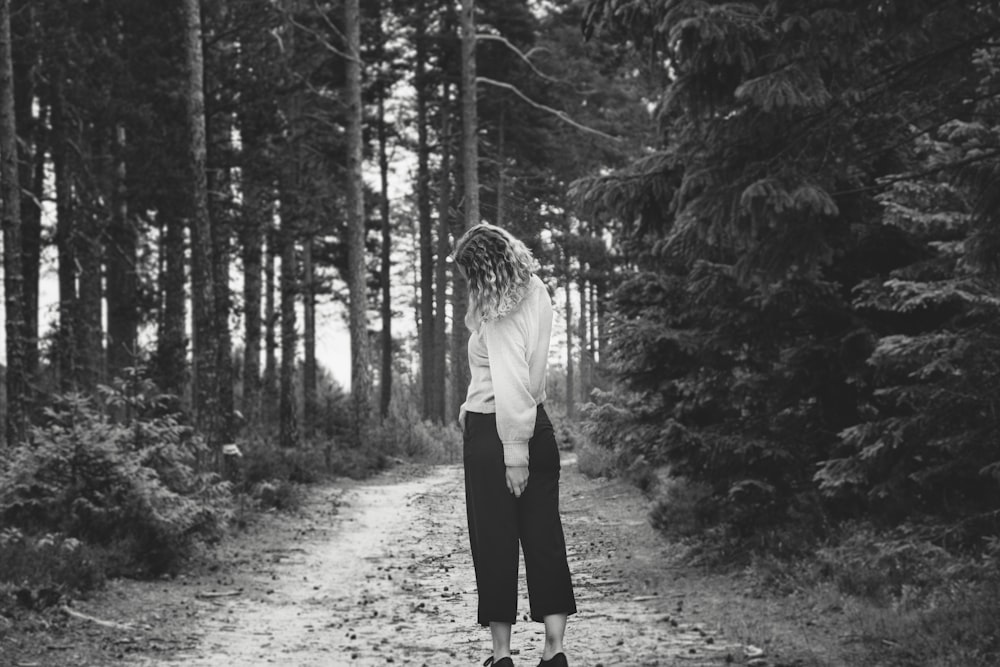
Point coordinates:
pixel 510 452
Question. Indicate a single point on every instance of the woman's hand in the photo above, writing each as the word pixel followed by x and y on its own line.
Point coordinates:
pixel 517 479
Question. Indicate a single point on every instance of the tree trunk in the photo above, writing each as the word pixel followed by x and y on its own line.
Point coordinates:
pixel 593 328
pixel 568 291
pixel 287 417
pixel 501 217
pixel 287 243
pixel 31 172
pixel 10 192
pixel 89 253
pixel 255 209
pixel 123 282
pixel 439 389
pixel 204 390
pixel 66 357
pixel 270 384
pixel 584 336
pixel 470 140
pixel 428 324
pixel 356 274
pixel 459 345
pixel 470 191
pixel 386 268
pixel 310 404
pixel 219 185
pixel 172 338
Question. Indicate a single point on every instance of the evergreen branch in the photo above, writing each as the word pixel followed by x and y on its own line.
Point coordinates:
pixel 882 183
pixel 523 56
pixel 561 115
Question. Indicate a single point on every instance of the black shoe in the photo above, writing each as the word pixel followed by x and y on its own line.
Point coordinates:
pixel 558 660
pixel 502 662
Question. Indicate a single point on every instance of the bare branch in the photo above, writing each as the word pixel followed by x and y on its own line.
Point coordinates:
pixel 326 19
pixel 323 40
pixel 523 56
pixel 561 115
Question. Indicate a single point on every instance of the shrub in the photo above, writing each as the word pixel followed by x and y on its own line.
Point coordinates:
pixel 265 461
pixel 595 460
pixel 49 562
pixel 682 507
pixel 404 433
pixel 897 569
pixel 132 483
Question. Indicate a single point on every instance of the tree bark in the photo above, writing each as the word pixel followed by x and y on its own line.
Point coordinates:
pixel 172 337
pixel 10 192
pixel 270 383
pixel 356 278
pixel 568 292
pixel 439 388
pixel 585 362
pixel 470 192
pixel 470 140
pixel 220 151
pixel 123 281
pixel 204 389
pixel 255 208
pixel 501 216
pixel 288 236
pixel 220 185
pixel 66 358
pixel 89 253
pixel 309 397
pixel 287 418
pixel 386 267
pixel 428 324
pixel 32 169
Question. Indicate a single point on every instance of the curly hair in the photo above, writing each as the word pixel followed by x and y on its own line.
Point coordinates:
pixel 497 267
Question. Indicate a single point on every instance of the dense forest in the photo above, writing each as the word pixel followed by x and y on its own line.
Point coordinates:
pixel 771 229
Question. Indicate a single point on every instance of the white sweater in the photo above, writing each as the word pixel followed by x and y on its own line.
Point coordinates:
pixel 507 359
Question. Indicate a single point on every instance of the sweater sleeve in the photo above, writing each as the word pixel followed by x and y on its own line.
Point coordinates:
pixel 506 343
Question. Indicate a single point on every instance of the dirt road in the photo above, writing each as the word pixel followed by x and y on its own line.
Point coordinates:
pixel 379 573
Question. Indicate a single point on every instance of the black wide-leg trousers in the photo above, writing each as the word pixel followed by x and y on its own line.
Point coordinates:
pixel 498 522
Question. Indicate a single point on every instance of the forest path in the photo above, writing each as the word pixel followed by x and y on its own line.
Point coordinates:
pixel 379 572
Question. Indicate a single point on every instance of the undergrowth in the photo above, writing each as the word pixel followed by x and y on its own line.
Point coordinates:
pixel 108 485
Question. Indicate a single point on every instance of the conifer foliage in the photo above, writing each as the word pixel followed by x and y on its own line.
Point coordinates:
pixel 812 328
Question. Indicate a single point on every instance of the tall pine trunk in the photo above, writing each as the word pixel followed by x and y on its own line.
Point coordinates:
pixel 287 246
pixel 356 273
pixel 172 337
pixel 310 403
pixel 204 389
pixel 386 262
pixel 121 259
pixel 255 208
pixel 66 357
pixel 270 381
pixel 288 430
pixel 501 216
pixel 219 185
pixel 428 324
pixel 470 189
pixel 568 293
pixel 584 331
pixel 89 253
pixel 32 169
pixel 220 150
pixel 470 139
pixel 10 192
pixel 440 347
